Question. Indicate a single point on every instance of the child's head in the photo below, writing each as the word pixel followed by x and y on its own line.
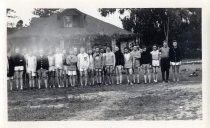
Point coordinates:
pixel 90 51
pixel 108 49
pixel 154 47
pixel 57 50
pixel 64 51
pixel 165 43
pixel 144 48
pixel 71 52
pixel 82 50
pixel 126 50
pixel 174 43
pixel 135 48
pixel 24 51
pixel 97 50
pixel 116 48
pixel 17 50
pixel 101 50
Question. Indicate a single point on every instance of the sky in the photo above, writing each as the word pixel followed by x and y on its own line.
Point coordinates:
pixel 25 14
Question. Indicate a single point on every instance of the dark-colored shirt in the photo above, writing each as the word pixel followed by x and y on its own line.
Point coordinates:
pixel 119 57
pixel 175 54
pixel 18 60
pixel 146 57
pixel 42 62
pixel 10 67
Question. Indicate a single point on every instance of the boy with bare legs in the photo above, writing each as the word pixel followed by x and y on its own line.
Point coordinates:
pixel 83 64
pixel 128 65
pixel 146 61
pixel 136 54
pixel 155 62
pixel 19 66
pixel 175 59
pixel 59 67
pixel 109 61
pixel 91 73
pixel 98 65
pixel 42 68
pixel 119 64
pixel 31 69
pixel 71 62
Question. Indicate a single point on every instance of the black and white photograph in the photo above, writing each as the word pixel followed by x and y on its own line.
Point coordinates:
pixel 66 64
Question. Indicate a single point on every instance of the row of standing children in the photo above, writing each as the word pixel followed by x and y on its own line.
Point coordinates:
pixel 64 69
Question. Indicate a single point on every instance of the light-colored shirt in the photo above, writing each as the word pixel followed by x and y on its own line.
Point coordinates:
pixel 136 57
pixel 51 60
pixel 128 60
pixel 59 60
pixel 83 61
pixel 31 63
pixel 164 52
pixel 155 54
pixel 109 58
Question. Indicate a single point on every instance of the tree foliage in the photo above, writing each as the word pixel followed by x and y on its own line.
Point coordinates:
pixel 11 18
pixel 45 12
pixel 157 24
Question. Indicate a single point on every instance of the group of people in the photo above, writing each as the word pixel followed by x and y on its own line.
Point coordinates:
pixel 64 68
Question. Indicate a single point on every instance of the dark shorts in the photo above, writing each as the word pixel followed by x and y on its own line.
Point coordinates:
pixel 91 72
pixel 51 74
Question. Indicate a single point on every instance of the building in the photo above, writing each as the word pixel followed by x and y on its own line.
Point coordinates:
pixel 67 29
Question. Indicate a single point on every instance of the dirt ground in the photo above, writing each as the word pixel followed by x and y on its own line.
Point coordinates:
pixel 162 101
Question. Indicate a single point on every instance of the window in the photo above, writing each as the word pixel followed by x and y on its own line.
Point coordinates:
pixel 68 21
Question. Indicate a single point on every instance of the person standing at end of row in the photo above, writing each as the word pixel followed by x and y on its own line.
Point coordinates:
pixel 175 60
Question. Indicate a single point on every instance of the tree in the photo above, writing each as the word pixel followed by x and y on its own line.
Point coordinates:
pixel 12 18
pixel 158 24
pixel 41 12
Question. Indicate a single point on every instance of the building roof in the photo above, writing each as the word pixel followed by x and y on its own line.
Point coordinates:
pixel 50 27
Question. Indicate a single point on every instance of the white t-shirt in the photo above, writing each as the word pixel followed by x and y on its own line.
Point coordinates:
pixel 59 60
pixel 83 61
pixel 155 54
pixel 31 63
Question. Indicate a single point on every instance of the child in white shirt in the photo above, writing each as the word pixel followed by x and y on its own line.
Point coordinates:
pixel 83 64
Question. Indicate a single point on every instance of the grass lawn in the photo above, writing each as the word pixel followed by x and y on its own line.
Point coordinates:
pixel 171 101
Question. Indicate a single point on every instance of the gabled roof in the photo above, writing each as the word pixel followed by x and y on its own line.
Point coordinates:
pixel 51 27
